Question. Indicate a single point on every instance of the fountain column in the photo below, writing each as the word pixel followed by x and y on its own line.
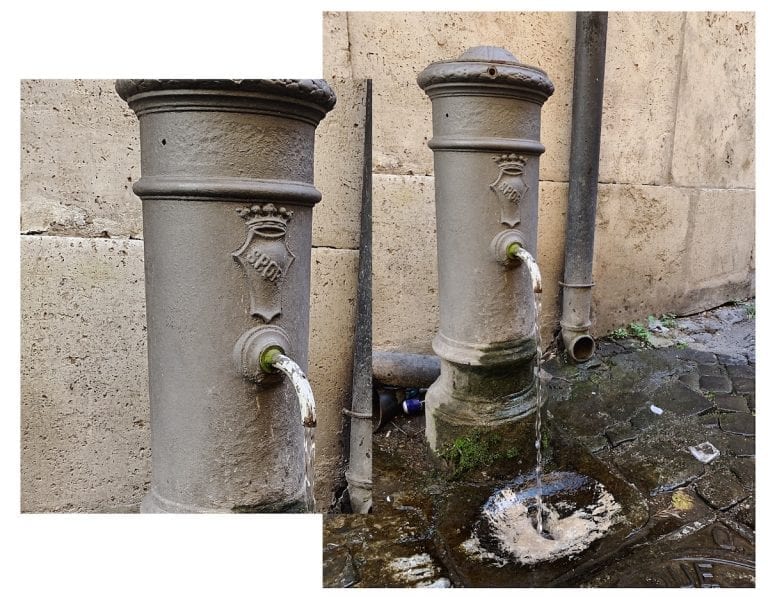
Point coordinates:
pixel 227 195
pixel 486 114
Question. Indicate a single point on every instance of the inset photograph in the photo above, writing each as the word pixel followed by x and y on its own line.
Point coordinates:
pixel 190 307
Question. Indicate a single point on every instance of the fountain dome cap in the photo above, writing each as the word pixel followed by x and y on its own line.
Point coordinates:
pixel 484 69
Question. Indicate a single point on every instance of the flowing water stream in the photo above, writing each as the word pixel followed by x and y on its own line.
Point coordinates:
pixel 535 274
pixel 309 467
pixel 308 419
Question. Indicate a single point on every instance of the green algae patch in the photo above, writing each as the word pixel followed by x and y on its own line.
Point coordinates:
pixel 474 451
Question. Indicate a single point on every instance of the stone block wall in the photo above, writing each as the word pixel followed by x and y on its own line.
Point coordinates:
pixel 675 227
pixel 85 443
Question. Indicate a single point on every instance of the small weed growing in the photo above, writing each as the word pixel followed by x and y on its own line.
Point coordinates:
pixel 668 320
pixel 749 308
pixel 640 332
pixel 619 333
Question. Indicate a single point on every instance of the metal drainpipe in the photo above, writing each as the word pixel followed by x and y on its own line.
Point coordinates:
pixel 588 76
pixel 227 195
pixel 486 114
pixel 405 370
pixel 359 475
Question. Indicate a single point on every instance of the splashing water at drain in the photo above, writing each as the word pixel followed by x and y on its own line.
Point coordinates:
pixel 579 510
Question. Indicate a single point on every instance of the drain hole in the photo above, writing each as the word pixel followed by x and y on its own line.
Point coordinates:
pixel 545 532
pixel 492 71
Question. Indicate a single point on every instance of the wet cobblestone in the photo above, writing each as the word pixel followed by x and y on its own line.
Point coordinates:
pixel 699 527
pixel 717 384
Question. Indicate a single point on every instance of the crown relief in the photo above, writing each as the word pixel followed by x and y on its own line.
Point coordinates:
pixel 267 220
pixel 511 163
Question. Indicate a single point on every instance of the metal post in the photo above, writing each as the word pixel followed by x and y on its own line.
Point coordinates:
pixel 584 165
pixel 486 111
pixel 227 192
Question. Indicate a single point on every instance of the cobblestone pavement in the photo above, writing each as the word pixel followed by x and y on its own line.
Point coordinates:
pixel 636 411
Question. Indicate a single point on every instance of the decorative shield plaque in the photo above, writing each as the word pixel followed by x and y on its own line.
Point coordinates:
pixel 510 186
pixel 264 257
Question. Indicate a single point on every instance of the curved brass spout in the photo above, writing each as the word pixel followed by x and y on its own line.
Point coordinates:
pixel 273 358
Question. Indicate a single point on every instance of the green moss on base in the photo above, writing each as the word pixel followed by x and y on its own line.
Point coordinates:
pixel 475 450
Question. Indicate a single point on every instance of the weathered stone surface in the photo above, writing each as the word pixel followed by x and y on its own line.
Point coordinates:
pixel 404 262
pixel 732 403
pixel 595 443
pixel 700 356
pixel 339 169
pixel 336 58
pixel 717 384
pixel 744 385
pixel 659 459
pixel 639 101
pixel 621 433
pixel 331 344
pixel 681 400
pixel 742 371
pixel 652 474
pixel 715 126
pixel 550 252
pixel 710 370
pixel 339 568
pixel 744 469
pixel 720 216
pixel 645 225
pixel 391 549
pixel 691 380
pixel 79 158
pixel 737 445
pixel 729 316
pixel 84 402
pixel 659 342
pixel 392 48
pixel 744 512
pixel 710 420
pixel 645 418
pixel 720 488
pixel 732 359
pixel 738 423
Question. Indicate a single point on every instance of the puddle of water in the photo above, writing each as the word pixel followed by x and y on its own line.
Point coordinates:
pixel 579 511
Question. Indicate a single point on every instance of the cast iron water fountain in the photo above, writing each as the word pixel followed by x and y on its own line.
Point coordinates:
pixel 228 240
pixel 486 108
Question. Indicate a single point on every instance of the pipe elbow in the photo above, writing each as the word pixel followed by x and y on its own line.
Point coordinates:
pixel 579 344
